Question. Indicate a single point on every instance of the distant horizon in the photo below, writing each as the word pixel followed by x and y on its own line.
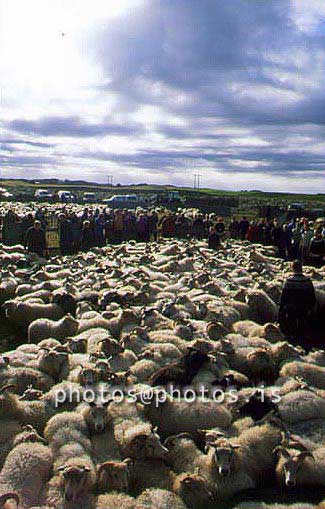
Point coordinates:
pixel 162 90
pixel 117 186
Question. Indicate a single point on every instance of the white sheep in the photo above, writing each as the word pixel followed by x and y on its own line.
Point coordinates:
pixel 26 471
pixel 44 328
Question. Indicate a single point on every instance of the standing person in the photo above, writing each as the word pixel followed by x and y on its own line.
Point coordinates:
pixel 198 227
pixel 278 238
pixel 243 227
pixel 168 225
pixel 65 233
pixel 143 228
pixel 261 227
pixel 213 238
pixel 306 236
pixel 152 224
pixel 100 230
pixel 296 239
pixel 317 249
pixel 9 228
pixel 234 229
pixel 87 236
pixel 26 223
pixel 35 241
pixel 76 226
pixel 252 233
pixel 220 228
pixel 297 306
pixel 118 226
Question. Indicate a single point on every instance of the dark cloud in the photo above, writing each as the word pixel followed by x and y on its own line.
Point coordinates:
pixel 38 144
pixel 72 127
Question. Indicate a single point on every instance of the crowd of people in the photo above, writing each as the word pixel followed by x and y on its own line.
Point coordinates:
pixel 89 227
pixel 297 239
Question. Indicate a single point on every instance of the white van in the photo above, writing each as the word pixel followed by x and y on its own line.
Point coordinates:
pixel 65 196
pixel 43 194
pixel 89 197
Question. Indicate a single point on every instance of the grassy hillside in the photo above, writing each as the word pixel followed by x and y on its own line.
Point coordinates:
pixel 29 186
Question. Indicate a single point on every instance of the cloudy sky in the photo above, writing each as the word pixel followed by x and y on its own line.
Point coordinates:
pixel 158 90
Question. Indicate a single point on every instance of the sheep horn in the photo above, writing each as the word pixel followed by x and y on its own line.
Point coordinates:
pixel 9 496
pixel 306 454
pixel 6 387
pixel 282 450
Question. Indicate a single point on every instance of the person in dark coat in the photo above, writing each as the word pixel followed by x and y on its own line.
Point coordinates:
pixel 213 239
pixel 35 241
pixel 278 238
pixel 317 249
pixel 65 231
pixel 297 306
pixel 198 227
pixel 87 236
pixel 243 228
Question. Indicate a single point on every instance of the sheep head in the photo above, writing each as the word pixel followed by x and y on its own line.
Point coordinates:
pixel 290 463
pixel 114 475
pixel 76 481
pixel 147 445
pixel 97 416
pixel 193 487
pixel 4 362
pixel 224 455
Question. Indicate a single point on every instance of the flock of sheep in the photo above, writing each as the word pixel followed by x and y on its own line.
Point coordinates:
pixel 247 415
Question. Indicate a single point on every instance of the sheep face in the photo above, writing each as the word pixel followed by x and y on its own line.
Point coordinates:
pixel 224 456
pixel 114 475
pixel 88 376
pixel 290 464
pixel 110 346
pixel 104 369
pixel 10 307
pixel 4 362
pixel 71 324
pixel 76 482
pixel 52 361
pixel 193 487
pixel 97 417
pixel 77 345
pixel 147 445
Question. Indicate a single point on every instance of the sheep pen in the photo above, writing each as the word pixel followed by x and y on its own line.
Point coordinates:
pixel 156 375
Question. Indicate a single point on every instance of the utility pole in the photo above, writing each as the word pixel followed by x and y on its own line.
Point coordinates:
pixel 110 180
pixel 197 183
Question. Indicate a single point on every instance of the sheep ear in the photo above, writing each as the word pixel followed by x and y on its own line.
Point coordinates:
pixel 129 462
pixel 108 402
pixel 62 468
pixel 235 446
pixel 154 429
pixel 85 468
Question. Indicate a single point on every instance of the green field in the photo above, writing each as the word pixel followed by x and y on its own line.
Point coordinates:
pixel 24 186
